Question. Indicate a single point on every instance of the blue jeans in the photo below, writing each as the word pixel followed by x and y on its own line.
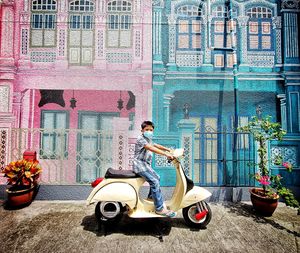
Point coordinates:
pixel 155 193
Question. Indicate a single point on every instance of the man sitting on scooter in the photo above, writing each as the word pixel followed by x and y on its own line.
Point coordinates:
pixel 142 166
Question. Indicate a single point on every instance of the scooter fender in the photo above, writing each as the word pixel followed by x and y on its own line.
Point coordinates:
pixel 194 195
pixel 120 192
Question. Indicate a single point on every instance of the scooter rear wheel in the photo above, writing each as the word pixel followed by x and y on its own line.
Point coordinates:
pixel 101 211
pixel 190 212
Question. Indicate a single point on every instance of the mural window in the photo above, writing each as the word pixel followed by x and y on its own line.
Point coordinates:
pixel 259 29
pixel 81 32
pixel 221 37
pixel 119 24
pixel 43 23
pixel 189 28
pixel 53 137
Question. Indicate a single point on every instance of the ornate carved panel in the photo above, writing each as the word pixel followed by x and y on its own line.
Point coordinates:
pixel 4 98
pixel 288 153
pixel 119 57
pixel 24 44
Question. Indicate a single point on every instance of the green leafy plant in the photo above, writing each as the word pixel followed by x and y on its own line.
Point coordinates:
pixel 264 130
pixel 22 173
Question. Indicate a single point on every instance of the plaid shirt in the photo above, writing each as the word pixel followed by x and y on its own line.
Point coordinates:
pixel 142 157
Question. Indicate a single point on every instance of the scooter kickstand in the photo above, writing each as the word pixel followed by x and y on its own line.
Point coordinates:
pixel 159 231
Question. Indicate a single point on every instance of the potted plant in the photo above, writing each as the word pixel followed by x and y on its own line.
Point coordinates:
pixel 265 199
pixel 22 176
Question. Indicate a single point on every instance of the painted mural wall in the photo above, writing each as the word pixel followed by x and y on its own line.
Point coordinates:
pixel 77 77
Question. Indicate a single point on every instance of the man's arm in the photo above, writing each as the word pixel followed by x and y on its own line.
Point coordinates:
pixel 159 151
pixel 161 147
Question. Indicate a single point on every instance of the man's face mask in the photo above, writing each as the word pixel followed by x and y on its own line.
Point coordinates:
pixel 148 134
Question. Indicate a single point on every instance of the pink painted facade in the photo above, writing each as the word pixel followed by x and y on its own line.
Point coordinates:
pixel 97 52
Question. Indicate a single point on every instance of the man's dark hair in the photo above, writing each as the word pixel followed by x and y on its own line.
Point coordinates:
pixel 147 123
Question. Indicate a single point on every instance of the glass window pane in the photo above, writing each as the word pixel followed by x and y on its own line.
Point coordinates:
pixel 196 41
pixel 61 120
pixel 219 26
pixel 74 21
pixel 196 26
pixel 87 22
pixel 183 41
pixel 219 60
pixel 183 26
pixel 48 120
pixel 49 21
pixel 266 42
pixel 37 21
pixel 253 27
pixel 266 27
pixel 253 40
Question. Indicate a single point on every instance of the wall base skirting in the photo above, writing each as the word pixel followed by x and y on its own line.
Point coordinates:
pixel 81 192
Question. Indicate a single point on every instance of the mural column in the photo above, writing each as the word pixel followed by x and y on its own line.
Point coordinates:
pixel 156 33
pixel 278 45
pixel 291 63
pixel 243 57
pixel 283 109
pixel 7 34
pixel 7 76
pixel 207 65
pixel 100 24
pixel 24 61
pixel 158 101
pixel 172 42
pixel 120 143
pixel 186 129
pixel 166 112
pixel 62 36
pixel 138 21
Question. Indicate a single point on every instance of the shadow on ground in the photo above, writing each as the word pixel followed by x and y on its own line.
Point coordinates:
pixel 156 227
pixel 247 210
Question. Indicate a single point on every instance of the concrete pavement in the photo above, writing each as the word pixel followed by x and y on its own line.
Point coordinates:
pixel 70 226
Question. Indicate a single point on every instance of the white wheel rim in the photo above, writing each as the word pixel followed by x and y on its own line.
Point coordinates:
pixel 191 214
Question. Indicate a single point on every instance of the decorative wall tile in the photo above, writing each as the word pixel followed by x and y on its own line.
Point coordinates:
pixel 119 57
pixel 162 161
pixel 137 44
pixel 24 44
pixel 131 148
pixel 187 160
pixel 288 153
pixel 3 140
pixel 4 98
pixel 42 56
pixel 62 43
pixel 261 59
pixel 100 43
pixel 189 60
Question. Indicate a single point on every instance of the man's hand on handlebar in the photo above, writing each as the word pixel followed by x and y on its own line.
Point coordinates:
pixel 170 157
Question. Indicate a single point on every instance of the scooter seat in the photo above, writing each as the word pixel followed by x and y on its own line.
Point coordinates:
pixel 111 173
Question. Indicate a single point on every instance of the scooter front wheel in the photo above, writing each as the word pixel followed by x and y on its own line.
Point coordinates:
pixel 197 215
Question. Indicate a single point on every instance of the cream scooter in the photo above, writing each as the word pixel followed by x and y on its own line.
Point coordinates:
pixel 118 192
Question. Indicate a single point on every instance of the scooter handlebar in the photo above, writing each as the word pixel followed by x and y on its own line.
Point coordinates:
pixel 177 153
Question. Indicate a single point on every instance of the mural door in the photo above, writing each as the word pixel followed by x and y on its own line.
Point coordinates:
pixel 207 152
pixel 94 145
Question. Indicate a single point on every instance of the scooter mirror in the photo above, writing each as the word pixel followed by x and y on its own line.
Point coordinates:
pixel 178 152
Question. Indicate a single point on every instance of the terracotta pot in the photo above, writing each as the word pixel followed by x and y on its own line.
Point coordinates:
pixel 18 197
pixel 263 204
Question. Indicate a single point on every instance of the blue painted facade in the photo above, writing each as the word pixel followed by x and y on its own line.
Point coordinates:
pixel 193 79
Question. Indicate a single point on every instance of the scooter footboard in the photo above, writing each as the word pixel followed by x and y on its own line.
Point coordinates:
pixel 119 192
pixel 195 195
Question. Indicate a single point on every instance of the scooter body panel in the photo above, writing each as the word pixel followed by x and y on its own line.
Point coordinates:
pixel 119 190
pixel 194 195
